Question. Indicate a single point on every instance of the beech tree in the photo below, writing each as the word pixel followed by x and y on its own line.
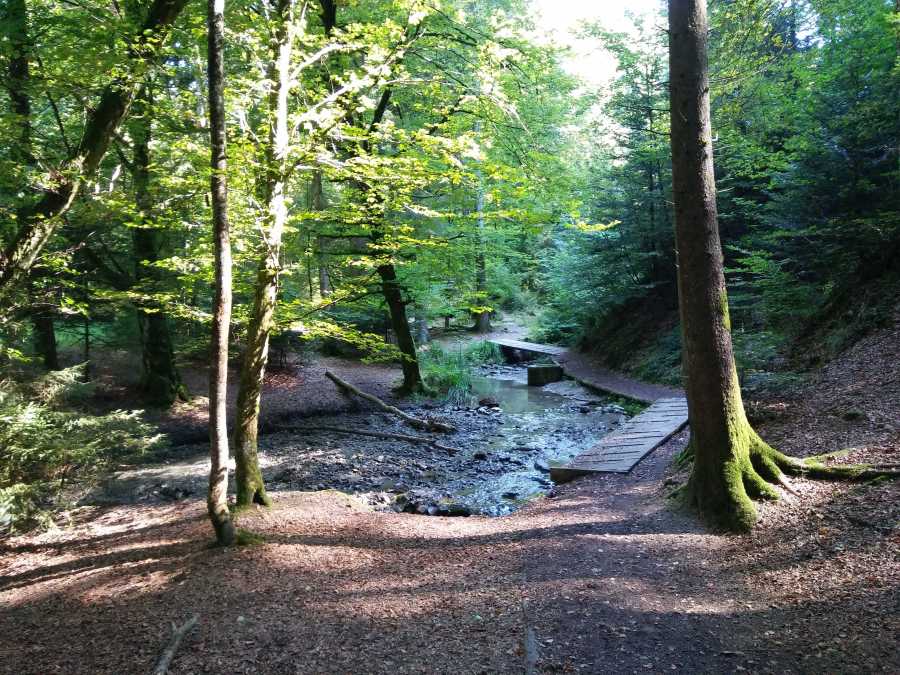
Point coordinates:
pixel 217 499
pixel 275 171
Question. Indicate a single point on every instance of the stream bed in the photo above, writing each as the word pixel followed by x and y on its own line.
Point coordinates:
pixel 509 435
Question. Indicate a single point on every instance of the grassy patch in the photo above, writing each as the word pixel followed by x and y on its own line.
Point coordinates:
pixel 448 372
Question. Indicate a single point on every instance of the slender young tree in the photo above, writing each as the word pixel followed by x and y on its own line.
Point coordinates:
pixel 250 486
pixel 732 464
pixel 217 499
pixel 483 317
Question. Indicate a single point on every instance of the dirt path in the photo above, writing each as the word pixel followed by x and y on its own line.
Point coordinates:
pixel 604 576
pixel 587 369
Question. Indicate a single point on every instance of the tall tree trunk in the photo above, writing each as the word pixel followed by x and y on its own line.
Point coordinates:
pixel 483 318
pixel 317 203
pixel 160 380
pixel 731 462
pixel 41 218
pixel 18 81
pixel 45 337
pixel 393 296
pixel 390 285
pixel 217 498
pixel 250 486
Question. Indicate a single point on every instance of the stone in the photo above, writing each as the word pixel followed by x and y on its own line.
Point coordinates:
pixel 541 466
pixel 480 455
pixel 489 402
pixel 456 511
pixel 544 373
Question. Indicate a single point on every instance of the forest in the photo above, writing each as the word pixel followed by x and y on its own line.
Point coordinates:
pixel 451 336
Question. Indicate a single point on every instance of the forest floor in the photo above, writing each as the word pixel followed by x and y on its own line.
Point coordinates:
pixel 605 575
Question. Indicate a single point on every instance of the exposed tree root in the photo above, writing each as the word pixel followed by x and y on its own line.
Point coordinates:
pixel 727 501
pixel 423 425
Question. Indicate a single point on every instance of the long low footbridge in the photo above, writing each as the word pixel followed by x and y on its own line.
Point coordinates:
pixel 621 450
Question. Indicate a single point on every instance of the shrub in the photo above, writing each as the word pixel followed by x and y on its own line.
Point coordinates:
pixel 448 373
pixel 47 442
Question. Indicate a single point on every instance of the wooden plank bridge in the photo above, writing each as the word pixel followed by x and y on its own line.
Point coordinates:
pixel 531 347
pixel 621 450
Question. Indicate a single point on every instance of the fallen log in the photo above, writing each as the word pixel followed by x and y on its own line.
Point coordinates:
pixel 378 434
pixel 178 633
pixel 423 425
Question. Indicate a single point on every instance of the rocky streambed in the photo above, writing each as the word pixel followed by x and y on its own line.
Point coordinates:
pixel 508 436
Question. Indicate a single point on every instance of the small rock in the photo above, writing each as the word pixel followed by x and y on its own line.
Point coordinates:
pixel 489 402
pixel 510 495
pixel 456 511
pixel 480 455
pixel 541 466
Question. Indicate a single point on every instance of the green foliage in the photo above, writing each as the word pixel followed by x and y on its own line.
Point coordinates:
pixel 448 372
pixel 47 442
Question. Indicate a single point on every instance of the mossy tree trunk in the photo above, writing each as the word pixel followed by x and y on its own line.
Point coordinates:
pixel 250 486
pixel 731 462
pixel 18 82
pixel 390 284
pixel 160 379
pixel 217 497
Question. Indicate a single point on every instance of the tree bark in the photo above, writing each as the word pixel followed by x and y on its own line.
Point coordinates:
pixel 160 380
pixel 409 362
pixel 317 203
pixel 482 319
pixel 18 81
pixel 45 337
pixel 42 218
pixel 731 462
pixel 390 285
pixel 250 486
pixel 217 498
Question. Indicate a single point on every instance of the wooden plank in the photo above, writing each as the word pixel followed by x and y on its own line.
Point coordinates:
pixel 622 450
pixel 529 346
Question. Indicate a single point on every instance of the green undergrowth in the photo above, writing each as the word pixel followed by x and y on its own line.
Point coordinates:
pixel 631 406
pixel 52 441
pixel 448 372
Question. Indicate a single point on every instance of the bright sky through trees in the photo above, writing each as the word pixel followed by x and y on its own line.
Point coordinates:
pixel 562 20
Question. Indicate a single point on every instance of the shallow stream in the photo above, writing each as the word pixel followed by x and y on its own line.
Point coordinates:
pixel 509 436
pixel 535 428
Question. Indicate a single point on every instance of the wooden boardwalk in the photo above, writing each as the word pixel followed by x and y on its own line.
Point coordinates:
pixel 622 449
pixel 532 347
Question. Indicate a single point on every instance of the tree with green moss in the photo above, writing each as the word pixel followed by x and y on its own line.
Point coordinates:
pixel 732 464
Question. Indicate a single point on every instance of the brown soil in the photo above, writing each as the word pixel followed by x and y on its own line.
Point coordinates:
pixel 606 576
